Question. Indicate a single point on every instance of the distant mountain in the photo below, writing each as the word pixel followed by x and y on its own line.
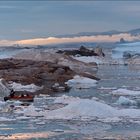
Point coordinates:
pixel 134 32
pixel 112 32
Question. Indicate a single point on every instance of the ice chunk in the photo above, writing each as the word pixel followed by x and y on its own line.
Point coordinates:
pixel 125 101
pixel 19 87
pixel 125 92
pixel 32 112
pixel 80 82
pixel 90 59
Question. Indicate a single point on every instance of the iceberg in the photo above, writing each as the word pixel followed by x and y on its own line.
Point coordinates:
pixel 125 92
pixel 19 87
pixel 80 82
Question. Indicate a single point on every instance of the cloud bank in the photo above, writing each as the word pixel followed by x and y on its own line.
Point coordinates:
pixel 55 40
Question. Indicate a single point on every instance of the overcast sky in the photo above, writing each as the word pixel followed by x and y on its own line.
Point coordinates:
pixel 23 20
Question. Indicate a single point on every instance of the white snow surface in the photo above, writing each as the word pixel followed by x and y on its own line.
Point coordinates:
pixel 80 82
pixel 19 87
pixel 76 108
pixel 125 92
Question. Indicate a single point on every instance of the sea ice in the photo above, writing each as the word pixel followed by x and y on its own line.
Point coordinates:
pixel 125 92
pixel 77 108
pixel 80 82
pixel 125 101
pixel 19 87
pixel 89 59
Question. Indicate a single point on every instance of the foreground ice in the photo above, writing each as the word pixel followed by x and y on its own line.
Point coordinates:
pixel 80 82
pixel 125 92
pixel 19 87
pixel 76 108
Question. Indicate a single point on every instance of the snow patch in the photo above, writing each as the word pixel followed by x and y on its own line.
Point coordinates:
pixel 80 82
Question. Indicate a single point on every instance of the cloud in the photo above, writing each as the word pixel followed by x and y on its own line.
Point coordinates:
pixel 7 43
pixel 98 38
pixel 55 40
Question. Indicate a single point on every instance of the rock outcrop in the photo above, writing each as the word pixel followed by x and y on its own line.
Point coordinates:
pixel 60 59
pixel 41 73
pixel 83 51
pixel 50 76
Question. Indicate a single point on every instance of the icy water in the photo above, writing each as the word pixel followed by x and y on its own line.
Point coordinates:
pixel 14 125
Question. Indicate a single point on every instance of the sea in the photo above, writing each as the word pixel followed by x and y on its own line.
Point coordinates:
pixel 108 110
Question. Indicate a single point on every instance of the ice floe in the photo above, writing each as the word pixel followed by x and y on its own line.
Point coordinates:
pixel 19 87
pixel 90 59
pixel 125 92
pixel 125 101
pixel 80 82
pixel 76 108
pixel 32 111
pixel 100 60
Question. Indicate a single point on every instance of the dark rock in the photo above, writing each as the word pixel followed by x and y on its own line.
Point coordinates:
pixel 38 72
pixel 82 51
pixel 122 40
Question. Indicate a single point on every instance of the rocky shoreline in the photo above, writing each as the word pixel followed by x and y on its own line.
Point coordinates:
pixel 52 77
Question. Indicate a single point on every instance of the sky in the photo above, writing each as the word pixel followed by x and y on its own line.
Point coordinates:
pixel 39 19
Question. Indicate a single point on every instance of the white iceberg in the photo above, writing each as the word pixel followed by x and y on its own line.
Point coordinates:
pixel 125 92
pixel 80 82
pixel 19 87
pixel 125 101
pixel 90 59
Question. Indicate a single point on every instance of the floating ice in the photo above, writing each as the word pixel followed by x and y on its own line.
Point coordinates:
pixel 125 92
pixel 125 101
pixel 5 119
pixel 76 108
pixel 90 59
pixel 18 87
pixel 81 82
pixel 32 112
pixel 133 47
pixel 107 88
